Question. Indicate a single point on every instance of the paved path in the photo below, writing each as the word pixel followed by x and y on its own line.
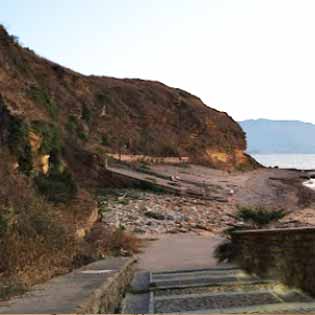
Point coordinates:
pixel 178 251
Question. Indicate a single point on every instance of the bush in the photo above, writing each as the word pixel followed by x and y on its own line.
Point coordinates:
pixel 169 150
pixel 259 215
pixel 105 140
pixel 11 288
pixel 34 243
pixel 3 225
pixel 225 251
pixel 72 123
pixel 145 185
pixel 56 187
pixel 103 98
pixel 105 241
pixel 82 135
pixel 19 145
pixel 74 127
pixel 51 137
pixel 86 114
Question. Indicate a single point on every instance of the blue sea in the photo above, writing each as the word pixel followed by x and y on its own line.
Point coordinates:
pixel 298 161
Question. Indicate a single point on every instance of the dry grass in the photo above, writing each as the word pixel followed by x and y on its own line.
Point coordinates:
pixel 37 238
pixel 104 240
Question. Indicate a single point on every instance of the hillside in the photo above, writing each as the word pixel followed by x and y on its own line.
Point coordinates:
pixel 56 129
pixel 279 136
pixel 102 114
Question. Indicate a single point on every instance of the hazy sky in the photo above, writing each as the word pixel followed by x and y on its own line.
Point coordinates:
pixel 250 58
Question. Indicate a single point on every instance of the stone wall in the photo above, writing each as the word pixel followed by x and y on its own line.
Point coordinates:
pixel 284 254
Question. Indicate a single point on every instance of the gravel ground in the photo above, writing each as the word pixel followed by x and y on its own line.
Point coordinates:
pixel 148 212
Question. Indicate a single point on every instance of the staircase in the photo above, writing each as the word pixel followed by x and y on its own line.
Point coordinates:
pixel 224 289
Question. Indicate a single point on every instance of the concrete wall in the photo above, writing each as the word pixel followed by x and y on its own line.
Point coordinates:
pixel 94 289
pixel 284 254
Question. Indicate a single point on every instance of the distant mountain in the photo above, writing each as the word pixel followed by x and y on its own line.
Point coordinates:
pixel 279 136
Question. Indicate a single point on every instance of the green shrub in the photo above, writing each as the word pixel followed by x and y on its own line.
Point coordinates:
pixel 82 135
pixel 226 251
pixel 3 225
pixel 105 140
pixel 169 150
pixel 73 126
pixel 19 145
pixel 72 123
pixel 86 114
pixel 103 98
pixel 145 185
pixel 144 166
pixel 56 187
pixel 41 97
pixel 259 215
pixel 11 288
pixel 51 137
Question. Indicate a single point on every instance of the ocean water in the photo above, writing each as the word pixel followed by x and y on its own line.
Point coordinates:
pixel 298 161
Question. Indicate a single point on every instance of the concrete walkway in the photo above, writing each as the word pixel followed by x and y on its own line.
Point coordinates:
pixel 178 251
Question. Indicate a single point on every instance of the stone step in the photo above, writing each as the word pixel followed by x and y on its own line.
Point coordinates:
pixel 221 290
pixel 140 283
pixel 258 285
pixel 137 298
pixel 280 308
pixel 202 282
pixel 220 267
pixel 196 302
pixel 198 277
pixel 195 278
pixel 136 303
pixel 227 300
pixel 195 274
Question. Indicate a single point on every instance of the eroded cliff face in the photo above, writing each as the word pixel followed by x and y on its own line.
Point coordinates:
pixel 106 115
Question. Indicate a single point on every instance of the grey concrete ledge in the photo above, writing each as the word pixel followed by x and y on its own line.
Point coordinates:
pixel 278 230
pixel 95 288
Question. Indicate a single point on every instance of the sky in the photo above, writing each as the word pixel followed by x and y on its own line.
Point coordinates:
pixel 249 58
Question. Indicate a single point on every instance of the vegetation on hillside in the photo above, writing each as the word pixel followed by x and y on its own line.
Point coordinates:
pixel 126 116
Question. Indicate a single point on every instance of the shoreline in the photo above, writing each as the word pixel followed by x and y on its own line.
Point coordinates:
pixel 298 161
